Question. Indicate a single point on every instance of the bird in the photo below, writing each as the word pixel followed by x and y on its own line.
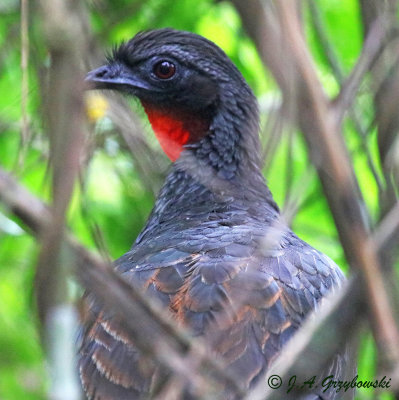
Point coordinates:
pixel 215 251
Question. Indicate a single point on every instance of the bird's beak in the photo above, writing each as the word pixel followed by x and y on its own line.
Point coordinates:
pixel 113 76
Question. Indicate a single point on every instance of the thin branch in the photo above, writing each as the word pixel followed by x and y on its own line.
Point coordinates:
pixel 359 249
pixel 297 196
pixel 333 61
pixel 373 45
pixel 387 227
pixel 65 121
pixel 318 25
pixel 25 131
pixel 29 209
pixel 148 162
pixel 170 345
pixel 272 134
pixel 385 80
pixel 308 353
pixel 327 150
pixel 24 69
pixel 63 28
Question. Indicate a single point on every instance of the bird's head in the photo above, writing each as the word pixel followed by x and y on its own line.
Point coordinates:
pixel 187 85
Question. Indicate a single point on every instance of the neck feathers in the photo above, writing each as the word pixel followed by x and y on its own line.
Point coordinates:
pixel 232 144
pixel 175 128
pixel 224 138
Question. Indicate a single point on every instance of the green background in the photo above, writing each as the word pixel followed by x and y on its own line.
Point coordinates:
pixel 112 202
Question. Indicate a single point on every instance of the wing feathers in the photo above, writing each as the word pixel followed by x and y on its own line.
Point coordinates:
pixel 246 308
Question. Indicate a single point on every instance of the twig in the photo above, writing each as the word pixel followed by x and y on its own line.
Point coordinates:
pixel 387 227
pixel 24 68
pixel 324 41
pixel 307 354
pixel 297 196
pixel 148 162
pixel 25 78
pixel 374 43
pixel 65 120
pixel 359 249
pixel 63 23
pixel 385 79
pixel 169 343
pixel 327 151
pixel 272 132
pixel 339 76
pixel 289 170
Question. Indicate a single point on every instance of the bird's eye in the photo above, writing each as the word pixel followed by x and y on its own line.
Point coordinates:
pixel 164 69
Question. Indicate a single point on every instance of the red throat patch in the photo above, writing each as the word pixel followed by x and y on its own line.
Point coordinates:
pixel 175 129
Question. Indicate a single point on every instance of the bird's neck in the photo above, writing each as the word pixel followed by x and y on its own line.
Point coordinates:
pixel 175 128
pixel 214 175
pixel 231 146
pixel 193 195
pixel 224 137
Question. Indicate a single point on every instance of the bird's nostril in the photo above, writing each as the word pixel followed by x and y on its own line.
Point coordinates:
pixel 101 73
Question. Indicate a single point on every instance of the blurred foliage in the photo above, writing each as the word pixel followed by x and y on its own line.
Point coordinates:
pixel 111 202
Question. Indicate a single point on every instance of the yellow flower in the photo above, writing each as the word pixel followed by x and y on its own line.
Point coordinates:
pixel 96 106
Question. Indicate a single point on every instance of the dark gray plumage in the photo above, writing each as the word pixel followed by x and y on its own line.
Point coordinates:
pixel 214 251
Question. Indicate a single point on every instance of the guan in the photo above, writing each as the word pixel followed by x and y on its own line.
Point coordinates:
pixel 215 251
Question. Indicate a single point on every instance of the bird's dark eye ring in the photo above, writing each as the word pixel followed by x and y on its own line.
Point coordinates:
pixel 164 69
